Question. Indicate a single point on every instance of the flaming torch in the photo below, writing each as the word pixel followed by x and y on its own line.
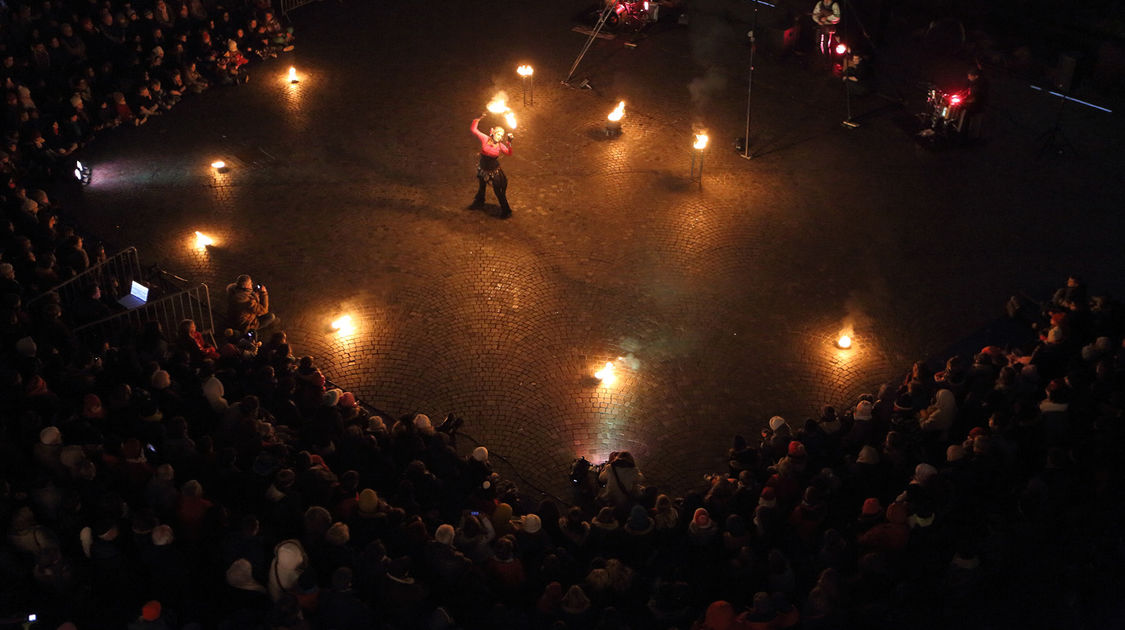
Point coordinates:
pixel 697 156
pixel 202 241
pixel 343 325
pixel 613 122
pixel 499 105
pixel 293 75
pixel 606 375
pixel 525 72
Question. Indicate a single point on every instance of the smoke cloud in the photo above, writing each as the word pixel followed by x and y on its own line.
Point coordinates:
pixel 711 35
pixel 704 88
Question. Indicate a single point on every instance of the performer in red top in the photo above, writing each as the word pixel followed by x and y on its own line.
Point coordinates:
pixel 491 146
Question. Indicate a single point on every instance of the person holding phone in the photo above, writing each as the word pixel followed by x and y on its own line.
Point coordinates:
pixel 248 305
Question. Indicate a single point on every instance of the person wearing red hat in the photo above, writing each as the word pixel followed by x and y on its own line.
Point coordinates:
pixel 891 535
pixel 151 617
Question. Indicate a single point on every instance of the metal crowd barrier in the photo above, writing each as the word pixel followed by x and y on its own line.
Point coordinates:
pixel 114 276
pixel 289 5
pixel 193 303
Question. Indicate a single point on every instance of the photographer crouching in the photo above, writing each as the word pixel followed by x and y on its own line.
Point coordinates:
pixel 248 306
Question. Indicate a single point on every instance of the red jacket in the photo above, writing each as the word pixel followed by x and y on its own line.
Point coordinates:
pixel 487 147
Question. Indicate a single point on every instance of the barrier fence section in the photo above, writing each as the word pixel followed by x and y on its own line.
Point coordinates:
pixel 289 5
pixel 193 303
pixel 114 276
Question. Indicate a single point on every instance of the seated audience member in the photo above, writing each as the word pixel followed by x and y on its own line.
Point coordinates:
pixel 248 305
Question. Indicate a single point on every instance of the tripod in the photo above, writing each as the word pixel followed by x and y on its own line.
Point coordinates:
pixel 1054 140
pixel 589 42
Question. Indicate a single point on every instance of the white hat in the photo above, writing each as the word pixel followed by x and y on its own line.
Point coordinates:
pixel 777 422
pixel 863 410
pixel 531 523
pixel 50 435
pixel 480 454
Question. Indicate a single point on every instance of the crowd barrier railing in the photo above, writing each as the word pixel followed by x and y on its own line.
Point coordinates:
pixel 289 5
pixel 193 303
pixel 114 275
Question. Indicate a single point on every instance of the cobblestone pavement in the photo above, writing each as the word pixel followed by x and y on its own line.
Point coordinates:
pixel 718 302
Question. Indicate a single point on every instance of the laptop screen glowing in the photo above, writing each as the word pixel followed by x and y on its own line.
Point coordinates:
pixel 139 291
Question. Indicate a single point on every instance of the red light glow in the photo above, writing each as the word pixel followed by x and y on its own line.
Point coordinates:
pixel 841 49
pixel 956 98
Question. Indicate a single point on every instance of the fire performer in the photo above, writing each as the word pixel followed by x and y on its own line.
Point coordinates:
pixel 488 170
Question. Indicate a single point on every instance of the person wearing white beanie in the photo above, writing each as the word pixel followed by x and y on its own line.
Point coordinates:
pixel 444 534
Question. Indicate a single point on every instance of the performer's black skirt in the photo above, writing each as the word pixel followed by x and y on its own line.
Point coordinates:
pixel 488 168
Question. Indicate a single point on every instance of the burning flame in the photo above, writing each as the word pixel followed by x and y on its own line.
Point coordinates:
pixel 217 164
pixel 617 112
pixel 499 103
pixel 525 71
pixel 202 240
pixel 344 325
pixel 845 341
pixel 606 375
pixel 700 141
pixel 292 75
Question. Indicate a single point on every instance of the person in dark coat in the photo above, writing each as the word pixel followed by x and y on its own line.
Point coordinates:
pixel 340 609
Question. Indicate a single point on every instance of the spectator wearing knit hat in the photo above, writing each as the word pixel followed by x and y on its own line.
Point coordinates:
pixel 151 618
pixel 575 529
pixel 443 562
pixel 891 535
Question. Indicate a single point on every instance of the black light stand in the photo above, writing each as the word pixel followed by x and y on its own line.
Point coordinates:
pixel 848 122
pixel 750 86
pixel 589 42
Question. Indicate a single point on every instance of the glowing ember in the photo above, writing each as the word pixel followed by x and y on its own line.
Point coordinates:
pixel 525 71
pixel 499 103
pixel 844 342
pixel 606 375
pixel 202 240
pixel 841 49
pixel 510 118
pixel 700 141
pixel 218 164
pixel 292 75
pixel 617 112
pixel 344 325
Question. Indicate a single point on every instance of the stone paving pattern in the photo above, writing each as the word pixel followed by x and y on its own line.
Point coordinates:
pixel 347 194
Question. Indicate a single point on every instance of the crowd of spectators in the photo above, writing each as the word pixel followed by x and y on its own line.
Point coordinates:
pixel 160 481
pixel 73 69
pixel 164 482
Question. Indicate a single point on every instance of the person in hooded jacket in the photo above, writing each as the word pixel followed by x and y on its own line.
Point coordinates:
pixel 340 609
pixel 622 481
pixel 289 562
pixel 245 602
